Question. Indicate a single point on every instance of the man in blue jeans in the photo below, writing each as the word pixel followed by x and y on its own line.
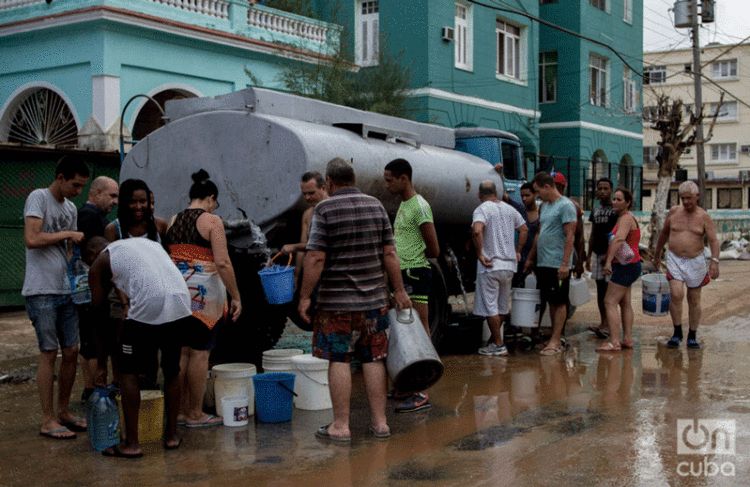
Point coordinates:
pixel 50 223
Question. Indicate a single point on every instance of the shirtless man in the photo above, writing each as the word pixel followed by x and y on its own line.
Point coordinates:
pixel 313 187
pixel 685 228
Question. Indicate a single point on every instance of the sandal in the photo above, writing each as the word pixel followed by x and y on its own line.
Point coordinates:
pixel 601 334
pixel 608 347
pixel 626 344
pixel 550 351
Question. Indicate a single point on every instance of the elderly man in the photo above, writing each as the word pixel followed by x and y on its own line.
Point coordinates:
pixel 685 227
pixel 350 249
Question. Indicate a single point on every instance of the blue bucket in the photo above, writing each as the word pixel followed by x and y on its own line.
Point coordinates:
pixel 274 394
pixel 278 283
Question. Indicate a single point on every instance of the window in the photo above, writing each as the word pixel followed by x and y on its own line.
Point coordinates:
pixel 655 75
pixel 723 153
pixel 724 69
pixel 368 33
pixel 649 156
pixel 627 11
pixel 508 49
pixel 727 112
pixel 708 199
pixel 629 91
pixel 729 198
pixel 598 80
pixel 600 4
pixel 548 77
pixel 464 37
pixel 542 2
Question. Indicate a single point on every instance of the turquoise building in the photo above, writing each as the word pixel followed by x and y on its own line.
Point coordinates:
pixel 590 94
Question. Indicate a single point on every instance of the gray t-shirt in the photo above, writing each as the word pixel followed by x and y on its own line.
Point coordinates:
pixel 47 268
pixel 550 243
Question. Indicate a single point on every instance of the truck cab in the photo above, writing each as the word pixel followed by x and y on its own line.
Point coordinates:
pixel 495 146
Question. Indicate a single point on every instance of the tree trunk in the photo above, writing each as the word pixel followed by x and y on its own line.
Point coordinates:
pixel 659 212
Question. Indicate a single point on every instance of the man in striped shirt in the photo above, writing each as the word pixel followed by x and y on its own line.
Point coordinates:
pixel 349 246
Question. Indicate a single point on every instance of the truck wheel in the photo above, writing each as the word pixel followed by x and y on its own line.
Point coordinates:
pixel 439 309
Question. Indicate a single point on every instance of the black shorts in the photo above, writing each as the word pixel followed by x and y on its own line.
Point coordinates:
pixel 86 325
pixel 197 335
pixel 551 289
pixel 417 283
pixel 140 344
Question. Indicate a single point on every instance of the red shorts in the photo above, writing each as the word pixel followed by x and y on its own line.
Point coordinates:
pixel 340 335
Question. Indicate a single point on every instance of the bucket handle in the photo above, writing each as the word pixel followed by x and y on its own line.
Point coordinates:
pixel 409 320
pixel 312 379
pixel 285 387
pixel 274 257
pixel 661 287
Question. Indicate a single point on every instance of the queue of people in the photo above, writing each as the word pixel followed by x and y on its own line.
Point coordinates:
pixel 348 249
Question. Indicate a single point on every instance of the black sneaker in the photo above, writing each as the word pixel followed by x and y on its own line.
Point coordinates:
pixel 415 402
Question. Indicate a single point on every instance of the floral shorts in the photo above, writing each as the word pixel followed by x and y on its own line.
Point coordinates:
pixel 340 335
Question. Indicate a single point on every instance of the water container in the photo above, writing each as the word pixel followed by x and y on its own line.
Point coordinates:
pixel 524 311
pixel 273 396
pixel 579 292
pixel 232 380
pixel 311 383
pixel 655 294
pixel 78 273
pixel 412 362
pixel 102 418
pixel 280 360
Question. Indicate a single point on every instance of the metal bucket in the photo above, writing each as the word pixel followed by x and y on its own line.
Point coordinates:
pixel 412 362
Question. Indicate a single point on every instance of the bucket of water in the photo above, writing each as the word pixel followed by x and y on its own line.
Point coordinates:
pixel 579 292
pixel 412 362
pixel 233 380
pixel 278 282
pixel 655 294
pixel 234 410
pixel 525 306
pixel 150 416
pixel 273 396
pixel 311 385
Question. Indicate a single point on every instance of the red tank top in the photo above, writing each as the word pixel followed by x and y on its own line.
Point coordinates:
pixel 633 240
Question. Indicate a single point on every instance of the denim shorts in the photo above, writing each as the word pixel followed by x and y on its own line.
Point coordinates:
pixel 625 275
pixel 55 320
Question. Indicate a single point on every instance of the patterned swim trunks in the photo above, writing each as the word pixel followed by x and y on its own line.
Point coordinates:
pixel 340 335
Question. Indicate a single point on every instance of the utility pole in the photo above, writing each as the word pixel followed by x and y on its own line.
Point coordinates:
pixel 699 149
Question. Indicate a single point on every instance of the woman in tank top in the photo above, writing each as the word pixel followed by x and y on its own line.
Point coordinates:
pixel 622 275
pixel 135 214
pixel 198 247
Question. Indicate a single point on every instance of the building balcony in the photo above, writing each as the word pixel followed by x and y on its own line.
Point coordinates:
pixel 235 18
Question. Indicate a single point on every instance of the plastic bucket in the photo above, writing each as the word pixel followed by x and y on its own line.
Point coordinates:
pixel 525 306
pixel 235 410
pixel 231 380
pixel 312 383
pixel 280 360
pixel 579 292
pixel 278 283
pixel 655 294
pixel 150 416
pixel 273 396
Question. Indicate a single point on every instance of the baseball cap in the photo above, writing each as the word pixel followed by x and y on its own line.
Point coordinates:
pixel 559 178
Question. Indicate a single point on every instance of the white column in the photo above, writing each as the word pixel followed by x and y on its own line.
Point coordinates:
pixel 106 100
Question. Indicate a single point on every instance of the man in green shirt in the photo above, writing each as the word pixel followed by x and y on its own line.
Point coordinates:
pixel 416 240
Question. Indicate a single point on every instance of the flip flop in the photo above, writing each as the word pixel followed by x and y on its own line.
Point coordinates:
pixel 608 347
pixel 325 435
pixel 626 344
pixel 209 421
pixel 52 433
pixel 381 435
pixel 75 425
pixel 599 332
pixel 173 447
pixel 550 351
pixel 114 451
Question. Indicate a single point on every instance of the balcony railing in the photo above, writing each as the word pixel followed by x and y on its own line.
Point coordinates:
pixel 213 8
pixel 9 4
pixel 287 24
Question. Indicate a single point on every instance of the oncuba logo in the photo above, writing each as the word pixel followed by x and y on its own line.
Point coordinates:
pixel 707 437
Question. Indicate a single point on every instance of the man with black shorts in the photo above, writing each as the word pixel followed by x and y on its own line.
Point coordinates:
pixel 416 240
pixel 350 249
pixel 158 313
pixel 551 254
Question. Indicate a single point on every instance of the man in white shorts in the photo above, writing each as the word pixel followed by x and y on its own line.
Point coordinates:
pixel 685 227
pixel 492 231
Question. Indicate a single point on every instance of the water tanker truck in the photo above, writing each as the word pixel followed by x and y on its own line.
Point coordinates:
pixel 257 143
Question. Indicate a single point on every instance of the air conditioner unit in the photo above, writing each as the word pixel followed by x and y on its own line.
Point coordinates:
pixel 709 175
pixel 745 149
pixel 449 34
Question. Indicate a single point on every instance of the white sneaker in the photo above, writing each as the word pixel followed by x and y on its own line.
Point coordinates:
pixel 493 349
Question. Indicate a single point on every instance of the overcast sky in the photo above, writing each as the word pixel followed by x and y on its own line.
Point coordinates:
pixel 732 25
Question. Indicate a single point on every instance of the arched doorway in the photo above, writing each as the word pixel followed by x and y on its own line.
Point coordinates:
pixel 599 166
pixel 149 117
pixel 39 116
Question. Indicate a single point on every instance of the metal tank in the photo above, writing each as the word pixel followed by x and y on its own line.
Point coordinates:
pixel 256 157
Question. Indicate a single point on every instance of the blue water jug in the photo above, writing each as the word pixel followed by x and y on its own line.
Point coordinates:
pixel 78 273
pixel 103 418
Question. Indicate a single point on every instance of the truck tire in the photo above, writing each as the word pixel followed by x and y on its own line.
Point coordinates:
pixel 259 326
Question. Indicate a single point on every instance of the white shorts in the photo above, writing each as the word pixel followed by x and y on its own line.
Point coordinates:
pixel 597 267
pixel 693 271
pixel 492 296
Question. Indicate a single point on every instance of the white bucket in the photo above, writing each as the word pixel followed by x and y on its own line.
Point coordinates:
pixel 311 384
pixel 579 292
pixel 655 294
pixel 235 410
pixel 234 380
pixel 525 306
pixel 280 360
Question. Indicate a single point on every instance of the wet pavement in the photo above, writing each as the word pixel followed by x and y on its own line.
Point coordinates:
pixel 576 418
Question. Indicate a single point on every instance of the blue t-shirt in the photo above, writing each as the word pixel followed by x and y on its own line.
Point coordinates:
pixel 551 240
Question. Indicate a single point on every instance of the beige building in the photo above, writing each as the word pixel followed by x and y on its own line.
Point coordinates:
pixel 727 154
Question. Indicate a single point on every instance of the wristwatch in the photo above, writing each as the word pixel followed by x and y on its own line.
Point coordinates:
pixel 715 259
